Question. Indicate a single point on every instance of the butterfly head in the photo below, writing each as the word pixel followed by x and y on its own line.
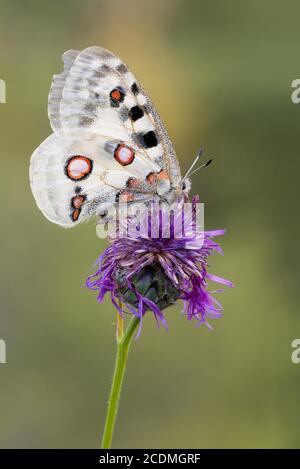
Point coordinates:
pixel 185 186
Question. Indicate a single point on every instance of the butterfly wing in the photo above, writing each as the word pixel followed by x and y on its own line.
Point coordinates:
pixel 56 90
pixel 102 95
pixel 99 111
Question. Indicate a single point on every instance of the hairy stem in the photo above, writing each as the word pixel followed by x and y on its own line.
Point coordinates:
pixel 124 339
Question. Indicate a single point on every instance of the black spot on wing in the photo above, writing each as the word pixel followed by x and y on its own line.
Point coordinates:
pixel 134 88
pixel 105 68
pixel 135 113
pixel 121 68
pixel 102 71
pixel 148 140
pixel 99 74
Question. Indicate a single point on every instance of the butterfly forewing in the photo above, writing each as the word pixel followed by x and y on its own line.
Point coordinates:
pixel 109 143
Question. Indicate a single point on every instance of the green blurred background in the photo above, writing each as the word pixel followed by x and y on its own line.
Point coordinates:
pixel 220 74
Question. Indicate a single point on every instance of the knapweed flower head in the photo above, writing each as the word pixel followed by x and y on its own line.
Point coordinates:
pixel 162 258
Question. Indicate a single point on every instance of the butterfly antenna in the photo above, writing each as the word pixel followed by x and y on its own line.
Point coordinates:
pixel 200 167
pixel 193 164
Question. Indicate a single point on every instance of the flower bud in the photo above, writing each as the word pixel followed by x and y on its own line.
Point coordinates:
pixel 151 282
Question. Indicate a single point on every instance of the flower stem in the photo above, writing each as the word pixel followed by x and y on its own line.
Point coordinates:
pixel 124 340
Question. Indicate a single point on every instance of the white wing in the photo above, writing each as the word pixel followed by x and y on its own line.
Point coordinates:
pixel 73 176
pixel 100 113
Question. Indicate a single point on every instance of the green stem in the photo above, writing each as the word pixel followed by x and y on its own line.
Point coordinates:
pixel 123 343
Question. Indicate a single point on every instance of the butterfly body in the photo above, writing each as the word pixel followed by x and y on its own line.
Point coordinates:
pixel 108 143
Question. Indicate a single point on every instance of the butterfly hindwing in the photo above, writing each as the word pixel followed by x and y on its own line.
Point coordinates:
pixel 73 175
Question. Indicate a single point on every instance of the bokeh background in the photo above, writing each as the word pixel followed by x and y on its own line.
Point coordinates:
pixel 220 74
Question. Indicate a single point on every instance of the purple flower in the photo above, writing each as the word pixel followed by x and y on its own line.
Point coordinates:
pixel 151 265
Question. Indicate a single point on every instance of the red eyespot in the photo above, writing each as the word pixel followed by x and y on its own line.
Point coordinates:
pixel 78 167
pixel 133 183
pixel 75 214
pixel 77 201
pixel 76 205
pixel 124 155
pixel 151 178
pixel 116 96
pixel 163 175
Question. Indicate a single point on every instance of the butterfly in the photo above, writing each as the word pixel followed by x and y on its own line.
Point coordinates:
pixel 108 144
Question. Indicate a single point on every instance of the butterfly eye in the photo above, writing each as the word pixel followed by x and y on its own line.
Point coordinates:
pixel 183 186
